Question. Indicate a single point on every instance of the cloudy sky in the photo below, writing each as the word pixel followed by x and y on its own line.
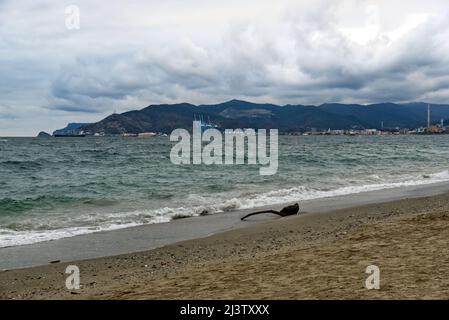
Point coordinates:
pixel 130 54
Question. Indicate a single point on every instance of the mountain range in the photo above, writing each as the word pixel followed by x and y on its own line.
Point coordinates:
pixel 287 118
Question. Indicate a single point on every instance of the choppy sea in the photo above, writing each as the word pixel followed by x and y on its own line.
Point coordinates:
pixel 61 187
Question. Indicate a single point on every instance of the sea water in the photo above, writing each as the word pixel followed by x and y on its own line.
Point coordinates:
pixel 61 187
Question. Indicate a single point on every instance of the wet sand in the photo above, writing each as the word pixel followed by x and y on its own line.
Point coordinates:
pixel 314 255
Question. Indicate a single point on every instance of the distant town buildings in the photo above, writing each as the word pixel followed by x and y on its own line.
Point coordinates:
pixel 433 129
pixel 430 129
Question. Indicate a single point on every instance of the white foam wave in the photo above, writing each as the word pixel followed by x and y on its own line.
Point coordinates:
pixel 203 204
pixel 9 238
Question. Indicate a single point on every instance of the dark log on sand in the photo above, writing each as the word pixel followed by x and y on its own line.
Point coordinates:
pixel 287 211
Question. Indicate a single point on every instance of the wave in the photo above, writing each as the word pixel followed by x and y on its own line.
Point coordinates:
pixel 26 164
pixel 205 205
pixel 300 193
pixel 9 238
pixel 11 206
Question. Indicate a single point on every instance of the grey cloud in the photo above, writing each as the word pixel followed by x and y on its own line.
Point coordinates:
pixel 7 113
pixel 332 70
pixel 301 57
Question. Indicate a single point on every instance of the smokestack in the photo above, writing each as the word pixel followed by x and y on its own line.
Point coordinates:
pixel 428 116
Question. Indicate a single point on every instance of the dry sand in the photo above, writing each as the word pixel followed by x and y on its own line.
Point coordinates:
pixel 313 256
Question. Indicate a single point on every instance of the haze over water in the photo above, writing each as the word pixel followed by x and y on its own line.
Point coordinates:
pixel 54 188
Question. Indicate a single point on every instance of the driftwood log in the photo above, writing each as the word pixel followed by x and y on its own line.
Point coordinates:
pixel 287 211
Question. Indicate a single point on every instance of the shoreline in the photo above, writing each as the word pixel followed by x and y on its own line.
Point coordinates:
pixel 315 255
pixel 153 236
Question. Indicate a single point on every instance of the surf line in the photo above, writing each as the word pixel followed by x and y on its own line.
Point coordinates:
pixel 233 140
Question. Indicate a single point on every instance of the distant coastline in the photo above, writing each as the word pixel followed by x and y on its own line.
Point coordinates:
pixel 325 119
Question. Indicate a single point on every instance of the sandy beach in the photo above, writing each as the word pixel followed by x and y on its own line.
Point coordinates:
pixel 310 256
